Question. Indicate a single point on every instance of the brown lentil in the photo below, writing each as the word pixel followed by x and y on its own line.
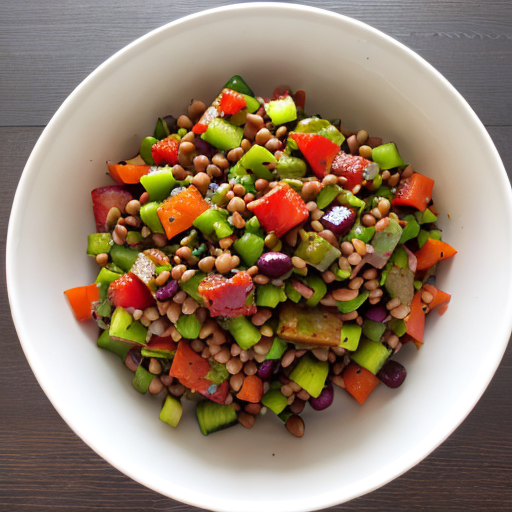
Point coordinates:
pixel 356 283
pixel 353 145
pixel 372 284
pixel 407 172
pixel 371 273
pixel 286 390
pixel 393 303
pixel 427 297
pixel 252 271
pixel 260 184
pixel 185 122
pixel 155 386
pixel 288 358
pixel 368 220
pixel 102 259
pixel 281 131
pixel 266 330
pixel 223 263
pixel 201 181
pixel 400 312
pixel 159 239
pixel 250 368
pixel 196 109
pixel 354 259
pixel 263 136
pixel 344 294
pixel 328 300
pixel 366 151
pixel 317 226
pixel 261 316
pixel 180 297
pixel 298 262
pixel 113 216
pixel 392 341
pixel 145 232
pixel 347 248
pixel 177 389
pixel 273 144
pixel 237 204
pixel 154 366
pixel 225 243
pixel 328 276
pixel 235 154
pixel 310 190
pixel 376 293
pixel 238 220
pixel 346 317
pixel 295 425
pixel 317 214
pixel 220 161
pixel 359 246
pixel 321 353
pixel 343 263
pixel 338 381
pixel 246 420
pixel 385 175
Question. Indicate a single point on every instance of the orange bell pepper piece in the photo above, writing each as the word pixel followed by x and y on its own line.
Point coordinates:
pixel 415 320
pixel 432 252
pixel 416 192
pixel 359 382
pixel 128 173
pixel 81 300
pixel 178 213
pixel 440 299
pixel 252 389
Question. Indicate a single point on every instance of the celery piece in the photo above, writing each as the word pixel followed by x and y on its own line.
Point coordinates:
pixel 149 215
pixel 145 150
pixel 350 336
pixel 351 305
pixel 387 156
pixel 373 330
pixel 316 251
pixel 275 401
pixel 257 160
pixel 327 195
pixel 400 284
pixel 290 167
pixel 237 83
pixel 320 288
pixel 171 411
pixel 99 243
pixel 411 230
pixel 310 374
pixel 191 287
pixel 223 135
pixel 371 355
pixel 269 296
pixel 158 184
pixel 244 332
pixel 213 417
pixel 249 247
pixel 160 354
pixel 119 348
pixel 188 326
pixel 142 379
pixel 397 326
pixel 123 256
pixel 278 348
pixel 252 103
pixel 281 111
pixel 292 293
pixel 105 277
pixel 124 327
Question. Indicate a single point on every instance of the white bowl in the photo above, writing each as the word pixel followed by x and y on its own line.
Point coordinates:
pixel 349 70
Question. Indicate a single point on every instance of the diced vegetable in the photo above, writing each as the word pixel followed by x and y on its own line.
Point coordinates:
pixel 252 389
pixel 320 288
pixel 397 326
pixel 129 291
pixel 237 83
pixel 158 184
pixel 411 230
pixel 400 284
pixel 278 348
pixel 373 330
pixel 359 382
pixel 188 326
pixel 213 222
pixel 191 287
pixel 327 196
pixel 126 173
pixel 316 251
pixel 350 167
pixel 142 379
pixel 310 374
pixel 149 215
pixel 223 135
pixel 321 127
pixel 387 156
pixel 257 160
pixel 244 332
pixel 160 347
pixel 81 300
pixel 371 355
pixel 432 252
pixel 171 411
pixel 105 198
pixel 439 297
pixel 179 212
pixel 351 305
pixel 124 327
pixel 165 152
pixel 384 243
pixel 319 151
pixel 119 348
pixel 275 401
pixel 123 257
pixel 280 210
pixel 350 336
pixel 281 111
pixel 99 243
pixel 269 296
pixel 415 321
pixel 249 247
pixel 415 192
pixel 290 167
pixel 231 102
pixel 213 417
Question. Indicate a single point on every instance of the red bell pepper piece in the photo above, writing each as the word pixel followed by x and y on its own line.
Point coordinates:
pixel 191 370
pixel 165 151
pixel 252 389
pixel 280 210
pixel 319 151
pixel 350 167
pixel 128 291
pixel 231 102
pixel 432 252
pixel 359 382
pixel 178 212
pixel 159 343
pixel 440 299
pixel 228 297
pixel 128 173
pixel 415 192
pixel 103 199
pixel 81 300
pixel 415 320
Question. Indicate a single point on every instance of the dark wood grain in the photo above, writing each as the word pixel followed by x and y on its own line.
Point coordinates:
pixel 46 49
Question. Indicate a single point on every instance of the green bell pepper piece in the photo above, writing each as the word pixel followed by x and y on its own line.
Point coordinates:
pixel 320 288
pixel 191 287
pixel 123 256
pixel 161 129
pixel 292 293
pixel 149 215
pixel 350 336
pixel 252 103
pixel 214 221
pixel 278 348
pixel 290 167
pixel 158 184
pixel 364 233
pixel 223 135
pixel 171 411
pixel 238 84
pixel 99 243
pixel 411 230
pixel 316 251
pixel 189 326
pixel 310 374
pixel 400 258
pixel 435 234
pixel 327 195
pixel 397 326
pixel 351 305
pixel 371 355
pixel 244 332
pixel 346 198
pixel 275 401
pixel 387 156
pixel 142 379
pixel 269 295
pixel 281 111
pixel 145 150
pixel 219 196
pixel 253 226
pixel 255 160
pixel 249 247
pixel 373 330
pixel 119 348
pixel 321 127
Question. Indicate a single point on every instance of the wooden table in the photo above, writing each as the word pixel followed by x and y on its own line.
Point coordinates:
pixel 46 49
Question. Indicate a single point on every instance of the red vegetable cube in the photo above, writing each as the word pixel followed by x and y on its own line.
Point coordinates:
pixel 129 291
pixel 318 150
pixel 350 167
pixel 165 152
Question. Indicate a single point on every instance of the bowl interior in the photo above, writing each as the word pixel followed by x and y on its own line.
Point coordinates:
pixel 350 71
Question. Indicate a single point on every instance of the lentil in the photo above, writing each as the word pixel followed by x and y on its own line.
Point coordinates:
pixel 382 224
pixel 246 420
pixel 400 312
pixel 102 259
pixel 295 425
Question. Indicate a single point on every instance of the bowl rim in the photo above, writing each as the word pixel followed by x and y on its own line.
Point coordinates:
pixel 372 481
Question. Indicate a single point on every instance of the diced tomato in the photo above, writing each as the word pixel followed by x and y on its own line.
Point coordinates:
pixel 130 174
pixel 252 389
pixel 350 167
pixel 440 298
pixel 128 291
pixel 228 297
pixel 415 320
pixel 432 252
pixel 359 382
pixel 415 192
pixel 231 102
pixel 166 343
pixel 280 210
pixel 81 300
pixel 103 199
pixel 318 150
pixel 191 370
pixel 165 151
pixel 178 212
pixel 202 125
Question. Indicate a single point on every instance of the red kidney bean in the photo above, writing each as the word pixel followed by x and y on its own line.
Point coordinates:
pixel 168 291
pixel 324 400
pixel 136 355
pixel 377 313
pixel 339 220
pixel 392 374
pixel 274 264
pixel 266 369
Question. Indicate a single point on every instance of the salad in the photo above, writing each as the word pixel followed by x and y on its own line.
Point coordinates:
pixel 253 257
